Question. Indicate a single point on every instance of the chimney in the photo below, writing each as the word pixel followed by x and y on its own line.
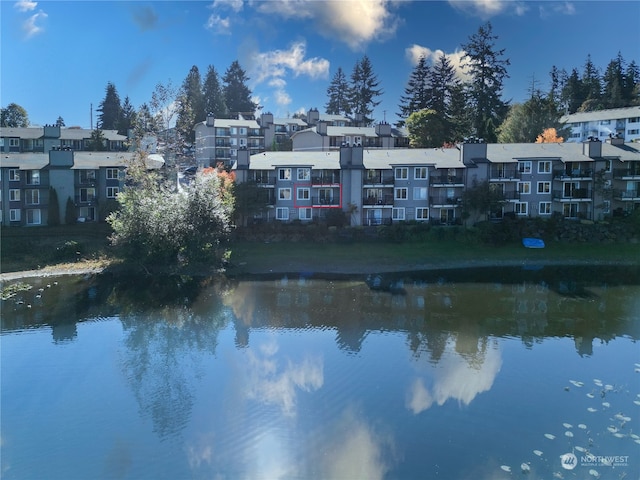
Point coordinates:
pixel 321 128
pixel 473 149
pixel 242 163
pixel 592 148
pixel 211 120
pixel 313 116
pixel 383 129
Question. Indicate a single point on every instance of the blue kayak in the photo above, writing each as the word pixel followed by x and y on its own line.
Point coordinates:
pixel 533 242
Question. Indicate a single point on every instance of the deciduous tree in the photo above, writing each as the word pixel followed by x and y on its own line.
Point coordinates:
pixel 14 116
pixel 426 129
pixel 549 135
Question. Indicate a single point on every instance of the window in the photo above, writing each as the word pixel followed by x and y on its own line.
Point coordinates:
pixel 544 167
pixel 32 197
pixel 14 142
pixel 422 213
pixel 401 173
pixel 14 175
pixel 14 195
pixel 87 194
pixel 284 193
pixel 282 213
pixel 112 192
pixel 112 174
pixel 284 174
pixel 87 176
pixel 305 214
pixel 545 208
pixel 304 174
pixel 634 120
pixel 524 167
pixel 606 206
pixel 233 142
pixel 604 122
pixel 397 213
pixel 419 193
pixel 521 208
pixel 400 193
pixel 544 187
pixel 303 194
pixel 607 166
pixel 14 215
pixel 33 217
pixel 234 131
pixel 420 173
pixel 524 187
pixel 243 131
pixel 633 131
pixel 33 177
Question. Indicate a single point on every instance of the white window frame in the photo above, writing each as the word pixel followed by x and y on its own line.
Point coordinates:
pixel 400 193
pixel 420 173
pixel 110 174
pixel 284 193
pixel 14 175
pixel 401 173
pixel 524 166
pixel 544 208
pixel 31 213
pixel 544 166
pixel 112 192
pixel 284 174
pixel 282 213
pixel 14 194
pixel 14 142
pixel 418 193
pixel 544 187
pixel 398 213
pixel 304 174
pixel 524 188
pixel 422 214
pixel 305 213
pixel 14 215
pixel 521 208
pixel 242 131
pixel 303 193
pixel 606 206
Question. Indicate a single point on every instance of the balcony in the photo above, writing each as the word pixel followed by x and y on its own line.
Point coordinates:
pixel 580 194
pixel 328 179
pixel 380 179
pixel 317 201
pixel 504 174
pixel 86 200
pixel 631 173
pixel 576 173
pixel 443 200
pixel 626 195
pixel 263 180
pixel 377 201
pixel 446 180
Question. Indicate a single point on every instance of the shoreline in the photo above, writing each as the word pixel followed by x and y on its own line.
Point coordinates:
pixel 325 269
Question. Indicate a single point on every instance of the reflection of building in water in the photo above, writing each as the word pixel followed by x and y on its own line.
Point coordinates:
pixel 430 312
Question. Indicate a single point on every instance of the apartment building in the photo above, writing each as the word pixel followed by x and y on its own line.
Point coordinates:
pixel 621 123
pixel 217 140
pixel 591 181
pixel 90 180
pixel 323 137
pixel 49 137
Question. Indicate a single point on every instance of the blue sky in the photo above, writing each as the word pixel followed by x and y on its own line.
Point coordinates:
pixel 57 57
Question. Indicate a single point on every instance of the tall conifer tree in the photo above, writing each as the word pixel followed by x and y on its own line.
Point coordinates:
pixel 236 92
pixel 416 93
pixel 338 93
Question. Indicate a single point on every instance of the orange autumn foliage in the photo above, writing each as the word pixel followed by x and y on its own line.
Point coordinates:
pixel 549 135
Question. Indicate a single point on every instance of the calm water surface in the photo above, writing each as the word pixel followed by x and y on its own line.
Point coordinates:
pixel 452 374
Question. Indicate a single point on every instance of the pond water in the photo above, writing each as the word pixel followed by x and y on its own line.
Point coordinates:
pixel 451 374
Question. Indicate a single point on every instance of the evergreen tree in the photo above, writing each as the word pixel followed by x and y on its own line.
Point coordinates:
pixel 110 109
pixel 70 216
pixel 459 115
pixel 97 141
pixel 213 96
pixel 416 93
pixel 186 118
pixel 631 87
pixel 145 122
pixel 190 105
pixel 488 71
pixel 54 208
pixel 572 93
pixel 613 82
pixel 60 122
pixel 128 118
pixel 443 81
pixel 337 92
pixel 236 92
pixel 14 116
pixel 592 87
pixel 363 90
pixel 526 121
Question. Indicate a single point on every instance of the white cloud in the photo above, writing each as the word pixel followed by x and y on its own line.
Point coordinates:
pixel 456 59
pixel 560 8
pixel 276 62
pixel 25 5
pixel 219 25
pixel 31 25
pixel 486 9
pixel 351 22
pixel 235 5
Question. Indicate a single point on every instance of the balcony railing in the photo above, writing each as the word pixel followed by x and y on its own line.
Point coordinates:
pixel 325 179
pixel 627 194
pixel 574 173
pixel 379 180
pixel 445 180
pixel 504 174
pixel 576 194
pixel 444 200
pixel 632 171
pixel 263 180
pixel 86 199
pixel 381 200
pixel 324 201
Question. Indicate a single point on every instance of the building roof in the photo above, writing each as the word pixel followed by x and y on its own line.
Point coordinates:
pixel 326 117
pixel 316 160
pixel 81 160
pixel 437 157
pixel 611 114
pixel 230 122
pixel 290 121
pixel 512 152
pixel 24 161
pixel 627 152
pixel 33 133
